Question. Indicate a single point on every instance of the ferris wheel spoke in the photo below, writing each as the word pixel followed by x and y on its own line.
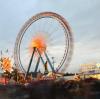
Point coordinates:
pixel 48 27
pixel 54 42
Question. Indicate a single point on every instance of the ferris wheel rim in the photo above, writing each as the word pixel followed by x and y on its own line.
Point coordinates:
pixel 63 22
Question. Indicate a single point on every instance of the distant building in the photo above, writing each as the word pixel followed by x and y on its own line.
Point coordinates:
pixel 90 70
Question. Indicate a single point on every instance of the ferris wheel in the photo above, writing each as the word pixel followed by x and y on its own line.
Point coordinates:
pixel 45 39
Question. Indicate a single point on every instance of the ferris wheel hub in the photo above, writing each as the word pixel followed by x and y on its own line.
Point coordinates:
pixel 38 42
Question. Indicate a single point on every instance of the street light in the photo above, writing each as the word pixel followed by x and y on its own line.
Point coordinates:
pixel 53 61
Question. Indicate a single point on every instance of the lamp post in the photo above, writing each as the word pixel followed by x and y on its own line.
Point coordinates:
pixel 53 62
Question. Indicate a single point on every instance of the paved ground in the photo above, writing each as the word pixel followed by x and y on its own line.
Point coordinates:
pixel 51 90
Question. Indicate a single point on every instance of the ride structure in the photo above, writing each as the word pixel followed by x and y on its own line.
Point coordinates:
pixel 38 61
pixel 50 36
pixel 5 64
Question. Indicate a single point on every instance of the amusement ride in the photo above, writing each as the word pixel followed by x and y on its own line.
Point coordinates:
pixel 43 45
pixel 42 37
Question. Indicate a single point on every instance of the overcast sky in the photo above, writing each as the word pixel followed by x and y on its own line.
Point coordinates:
pixel 83 17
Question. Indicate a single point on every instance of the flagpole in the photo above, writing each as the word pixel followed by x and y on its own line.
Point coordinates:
pixel 1 54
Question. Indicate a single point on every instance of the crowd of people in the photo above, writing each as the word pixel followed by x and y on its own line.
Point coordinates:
pixel 21 87
pixel 53 89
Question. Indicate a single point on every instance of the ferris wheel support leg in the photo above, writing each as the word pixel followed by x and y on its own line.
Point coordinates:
pixel 41 57
pixel 34 49
pixel 49 62
pixel 37 65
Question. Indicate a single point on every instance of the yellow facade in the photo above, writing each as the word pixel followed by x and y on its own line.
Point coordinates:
pixel 90 70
